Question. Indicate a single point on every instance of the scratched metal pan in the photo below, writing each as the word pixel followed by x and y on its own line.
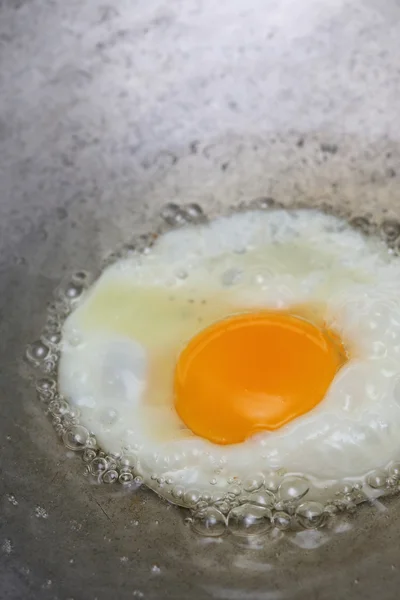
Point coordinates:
pixel 107 112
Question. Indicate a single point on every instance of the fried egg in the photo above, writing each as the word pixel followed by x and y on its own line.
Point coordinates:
pixel 260 342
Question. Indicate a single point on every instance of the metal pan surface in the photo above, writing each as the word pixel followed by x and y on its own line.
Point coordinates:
pixel 107 112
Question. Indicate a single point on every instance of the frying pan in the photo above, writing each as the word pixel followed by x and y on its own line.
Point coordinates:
pixel 107 112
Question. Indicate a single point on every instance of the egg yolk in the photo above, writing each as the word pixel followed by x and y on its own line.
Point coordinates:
pixel 253 372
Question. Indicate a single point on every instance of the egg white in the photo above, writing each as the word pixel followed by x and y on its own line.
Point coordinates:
pixel 145 308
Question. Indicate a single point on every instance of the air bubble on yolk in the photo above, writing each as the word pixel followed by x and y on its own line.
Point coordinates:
pixel 253 372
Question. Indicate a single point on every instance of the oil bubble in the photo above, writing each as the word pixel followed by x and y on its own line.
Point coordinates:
pixel 392 482
pixel 390 229
pixel 281 520
pixel 223 506
pixel 253 483
pixel 264 203
pixel 45 388
pixel 127 460
pixel 293 488
pixel 73 411
pixel 49 365
pixel 234 490
pixel 75 437
pixel 110 476
pixel 394 470
pixel 126 476
pixel 37 351
pixel 59 429
pixel 51 336
pixel 80 276
pixel 377 479
pixel 351 507
pixel 262 498
pixel 272 482
pixel 363 224
pixel 209 522
pixel 177 492
pixel 346 489
pixel 144 242
pixel 173 214
pixel 194 212
pixel 191 497
pixel 330 510
pixel 111 461
pixel 249 519
pixel 58 407
pixel 311 515
pixel 73 290
pixel 91 442
pixel 89 454
pixel 98 466
pixel 45 384
pixel 69 420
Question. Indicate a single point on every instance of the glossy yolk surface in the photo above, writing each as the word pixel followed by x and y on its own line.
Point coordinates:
pixel 253 372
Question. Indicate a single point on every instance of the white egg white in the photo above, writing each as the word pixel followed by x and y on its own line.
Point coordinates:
pixel 120 346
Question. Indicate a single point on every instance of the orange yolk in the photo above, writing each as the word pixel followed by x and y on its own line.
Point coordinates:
pixel 253 372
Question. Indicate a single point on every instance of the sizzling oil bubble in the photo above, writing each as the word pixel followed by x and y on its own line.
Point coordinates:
pixel 52 337
pixel 76 437
pixel 293 488
pixel 194 213
pixel 281 520
pixel 192 497
pixel 377 479
pixel 73 290
pixel 58 407
pixel 46 389
pixel 209 522
pixel 37 352
pixel 263 500
pixel 81 276
pixel 253 483
pixel 364 224
pixel 173 214
pixel 394 470
pixel 98 466
pixel 248 519
pixel 89 454
pixel 110 476
pixel 390 229
pixel 45 385
pixel 272 482
pixel 127 460
pixel 126 475
pixel 311 514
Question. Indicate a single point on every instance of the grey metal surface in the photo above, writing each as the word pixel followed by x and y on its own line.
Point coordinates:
pixel 107 111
